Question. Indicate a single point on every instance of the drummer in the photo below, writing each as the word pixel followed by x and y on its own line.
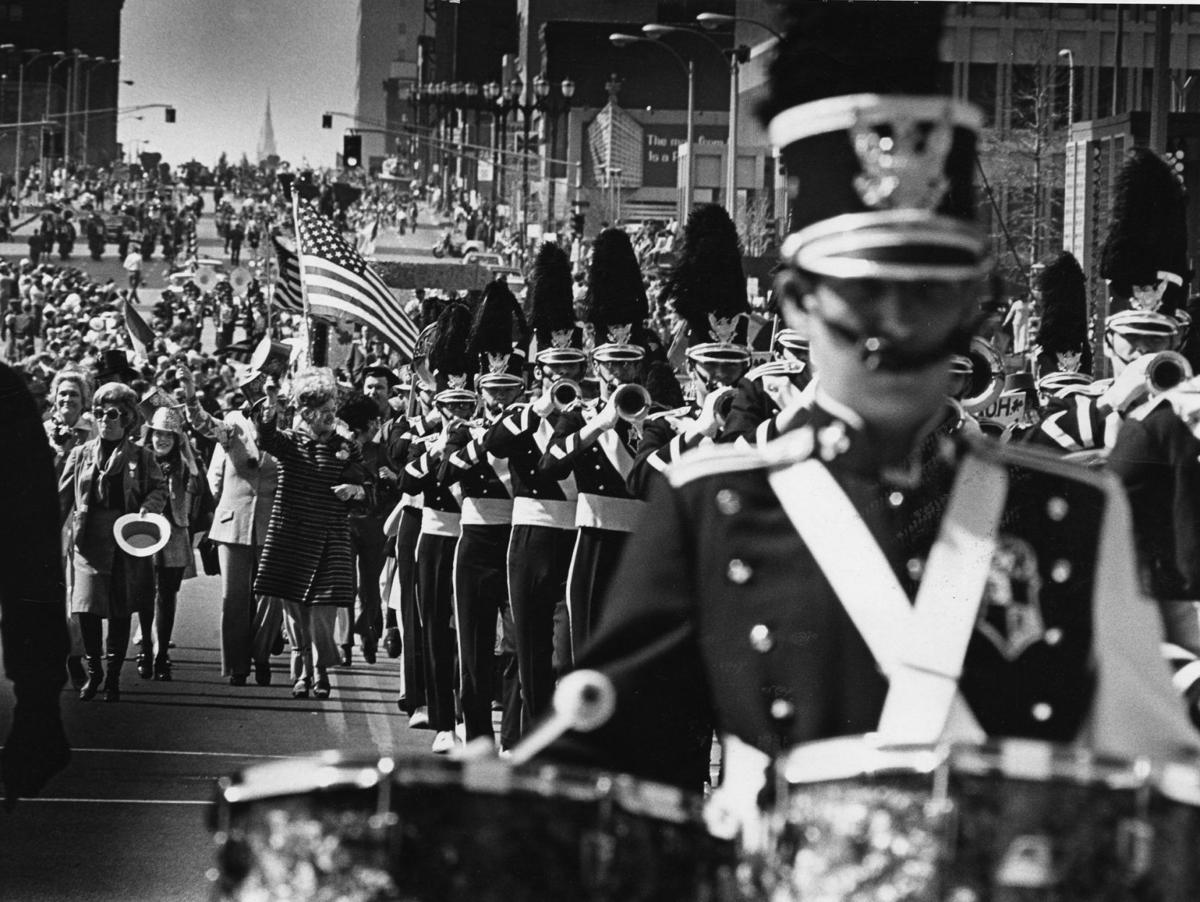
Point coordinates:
pixel 868 570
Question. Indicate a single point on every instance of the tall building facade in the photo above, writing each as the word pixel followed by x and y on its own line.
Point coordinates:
pixel 389 32
pixel 72 80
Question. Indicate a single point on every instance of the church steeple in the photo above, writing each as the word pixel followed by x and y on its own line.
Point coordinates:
pixel 266 137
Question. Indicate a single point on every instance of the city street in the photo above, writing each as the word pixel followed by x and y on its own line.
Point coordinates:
pixel 127 820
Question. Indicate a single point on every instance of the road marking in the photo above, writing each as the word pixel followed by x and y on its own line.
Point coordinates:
pixel 180 752
pixel 206 802
pixel 379 723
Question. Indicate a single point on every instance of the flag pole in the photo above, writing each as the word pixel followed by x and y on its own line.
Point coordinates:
pixel 307 356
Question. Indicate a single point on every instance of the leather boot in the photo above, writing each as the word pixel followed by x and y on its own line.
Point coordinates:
pixel 112 686
pixel 95 676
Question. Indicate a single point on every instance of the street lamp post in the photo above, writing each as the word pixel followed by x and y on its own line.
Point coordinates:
pixel 1070 86
pixel 655 31
pixel 87 100
pixel 61 57
pixel 624 40
pixel 72 102
pixel 35 55
pixel 568 91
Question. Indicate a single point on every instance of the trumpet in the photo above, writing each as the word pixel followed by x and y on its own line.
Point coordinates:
pixel 724 403
pixel 632 401
pixel 565 392
pixel 1166 370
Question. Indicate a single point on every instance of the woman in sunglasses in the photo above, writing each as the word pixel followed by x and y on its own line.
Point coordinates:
pixel 103 479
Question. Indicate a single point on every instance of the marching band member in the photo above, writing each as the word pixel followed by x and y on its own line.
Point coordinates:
pixel 543 533
pixel 818 586
pixel 498 342
pixel 1062 344
pixel 769 388
pixel 597 442
pixel 441 517
pixel 707 290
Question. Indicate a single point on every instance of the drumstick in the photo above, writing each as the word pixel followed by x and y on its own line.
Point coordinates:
pixel 584 701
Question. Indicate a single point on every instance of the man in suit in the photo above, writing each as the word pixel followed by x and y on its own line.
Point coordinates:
pixel 243 480
pixel 869 570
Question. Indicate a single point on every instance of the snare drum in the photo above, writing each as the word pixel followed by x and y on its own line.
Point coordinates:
pixel 434 829
pixel 1012 821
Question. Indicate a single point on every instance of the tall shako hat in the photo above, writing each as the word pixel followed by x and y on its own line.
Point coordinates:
pixel 1062 335
pixel 708 288
pixel 452 367
pixel 880 167
pixel 616 304
pixel 552 308
pixel 497 339
pixel 1145 251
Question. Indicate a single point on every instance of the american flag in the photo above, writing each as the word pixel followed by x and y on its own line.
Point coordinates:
pixel 287 287
pixel 340 281
pixel 191 251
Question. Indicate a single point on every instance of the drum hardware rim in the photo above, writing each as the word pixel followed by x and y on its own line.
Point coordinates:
pixel 1037 761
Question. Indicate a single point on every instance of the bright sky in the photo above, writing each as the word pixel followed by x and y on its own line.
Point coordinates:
pixel 216 61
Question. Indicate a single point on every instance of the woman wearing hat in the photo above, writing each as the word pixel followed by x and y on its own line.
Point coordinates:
pixel 173 451
pixel 102 480
pixel 307 560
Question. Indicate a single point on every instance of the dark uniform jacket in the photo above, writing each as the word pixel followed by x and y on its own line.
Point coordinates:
pixel 484 479
pixel 719 611
pixel 521 437
pixel 760 395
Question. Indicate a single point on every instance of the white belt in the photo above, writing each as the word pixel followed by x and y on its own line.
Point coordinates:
pixel 440 523
pixel 417 501
pixel 544 512
pixel 487 511
pixel 606 512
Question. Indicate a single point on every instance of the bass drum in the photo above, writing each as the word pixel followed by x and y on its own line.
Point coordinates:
pixel 1014 821
pixel 437 830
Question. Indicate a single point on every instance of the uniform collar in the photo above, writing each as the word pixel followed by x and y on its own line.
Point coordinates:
pixel 840 438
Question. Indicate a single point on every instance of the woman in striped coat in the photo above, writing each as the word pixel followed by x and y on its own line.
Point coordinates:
pixel 306 560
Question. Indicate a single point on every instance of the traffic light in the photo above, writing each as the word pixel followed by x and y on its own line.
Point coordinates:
pixel 352 151
pixel 327 120
pixel 169 115
pixel 577 225
pixel 53 144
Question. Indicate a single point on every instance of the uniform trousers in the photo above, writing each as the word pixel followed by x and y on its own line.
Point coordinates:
pixel 597 553
pixel 248 625
pixel 480 593
pixel 539 558
pixel 435 591
pixel 410 618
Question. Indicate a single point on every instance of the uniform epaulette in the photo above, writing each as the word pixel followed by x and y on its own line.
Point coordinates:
pixel 712 460
pixel 1040 459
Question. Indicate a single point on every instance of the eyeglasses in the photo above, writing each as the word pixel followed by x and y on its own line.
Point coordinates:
pixel 109 414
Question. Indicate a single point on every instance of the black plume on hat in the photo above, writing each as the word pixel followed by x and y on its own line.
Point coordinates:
pixel 615 295
pixel 448 348
pixel 708 278
pixel 1148 229
pixel 551 293
pixel 499 325
pixel 831 49
pixel 1064 307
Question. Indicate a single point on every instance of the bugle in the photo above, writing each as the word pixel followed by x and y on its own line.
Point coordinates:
pixel 565 392
pixel 632 401
pixel 1166 370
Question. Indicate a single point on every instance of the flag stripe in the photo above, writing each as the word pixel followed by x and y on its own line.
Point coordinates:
pixel 141 336
pixel 322 290
pixel 288 295
pixel 320 280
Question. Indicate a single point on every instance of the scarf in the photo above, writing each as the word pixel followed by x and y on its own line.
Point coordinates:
pixel 108 464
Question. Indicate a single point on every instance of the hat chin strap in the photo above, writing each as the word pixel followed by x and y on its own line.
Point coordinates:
pixel 884 354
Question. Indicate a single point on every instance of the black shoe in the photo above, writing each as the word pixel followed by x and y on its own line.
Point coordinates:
pixel 145 666
pixel 369 649
pixel 347 655
pixel 262 673
pixel 76 672
pixel 95 677
pixel 392 644
pixel 162 669
pixel 300 688
pixel 238 679
pixel 322 688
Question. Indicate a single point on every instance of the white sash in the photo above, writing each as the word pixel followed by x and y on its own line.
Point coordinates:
pixel 919 647
pixel 616 452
